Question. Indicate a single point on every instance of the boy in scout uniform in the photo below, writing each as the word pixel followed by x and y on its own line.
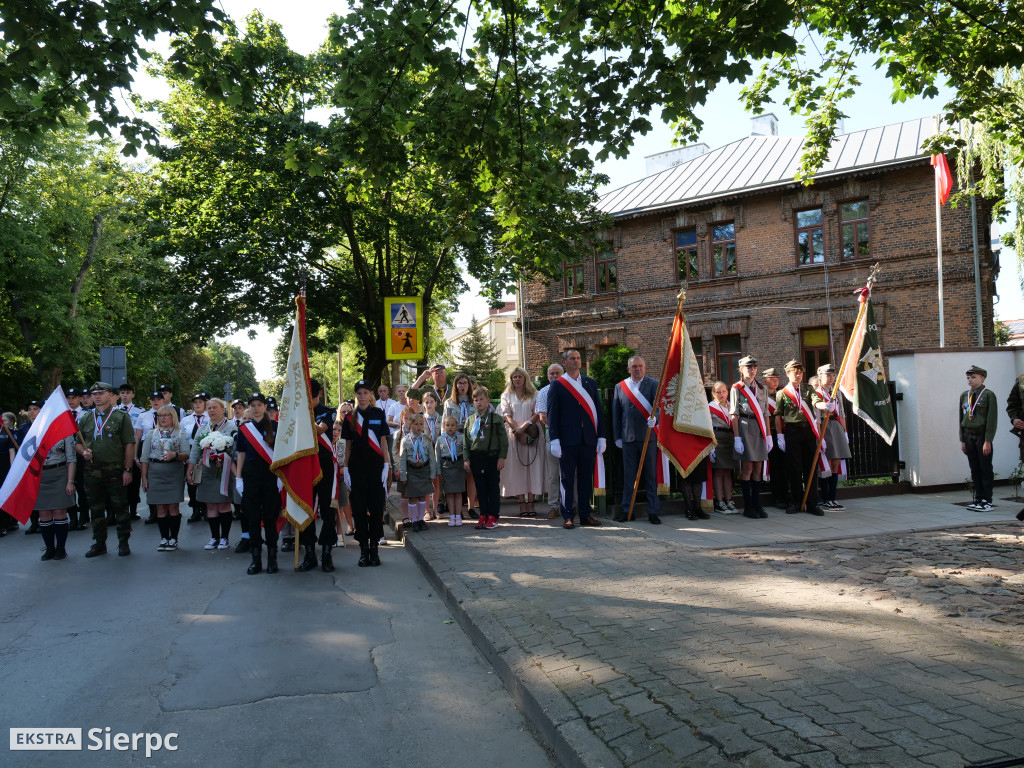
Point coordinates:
pixel 107 444
pixel 978 417
pixel 797 439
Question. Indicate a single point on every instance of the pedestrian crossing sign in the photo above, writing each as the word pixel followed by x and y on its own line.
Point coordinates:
pixel 403 324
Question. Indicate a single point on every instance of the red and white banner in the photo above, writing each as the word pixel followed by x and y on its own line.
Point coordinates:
pixel 600 483
pixel 943 178
pixel 54 422
pixel 296 460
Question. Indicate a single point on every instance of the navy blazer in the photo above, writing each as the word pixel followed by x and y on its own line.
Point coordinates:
pixel 567 421
pixel 628 425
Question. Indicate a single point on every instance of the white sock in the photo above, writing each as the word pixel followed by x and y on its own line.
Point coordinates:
pixel 421 510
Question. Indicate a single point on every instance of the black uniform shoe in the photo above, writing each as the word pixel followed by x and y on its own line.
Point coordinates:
pixel 287 545
pixel 817 511
pixel 1020 515
pixel 751 513
pixel 123 550
pixel 702 515
pixel 271 559
pixel 96 550
pixel 242 546
pixel 49 554
pixel 60 554
pixel 374 557
pixel 792 509
pixel 150 520
pixel 364 556
pixel 309 562
pixel 327 562
pixel 620 518
pixel 256 566
pixel 32 529
pixel 654 520
pixel 196 517
pixel 690 515
pixel 761 513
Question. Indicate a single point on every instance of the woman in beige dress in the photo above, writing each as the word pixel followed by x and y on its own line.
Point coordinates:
pixel 523 474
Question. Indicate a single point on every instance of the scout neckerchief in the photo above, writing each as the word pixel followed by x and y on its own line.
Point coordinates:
pixel 99 423
pixel 971 406
pixel 452 441
pixel 794 397
pixel 371 436
pixel 755 406
pixel 431 425
pixel 481 422
pixel 465 406
pixel 722 412
pixel 418 453
pixel 583 397
pixel 265 451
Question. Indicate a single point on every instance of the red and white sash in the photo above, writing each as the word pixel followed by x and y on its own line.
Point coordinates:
pixel 582 397
pixel 722 411
pixel 256 439
pixel 636 398
pixel 372 436
pixel 835 416
pixel 600 482
pixel 794 397
pixel 643 405
pixel 755 407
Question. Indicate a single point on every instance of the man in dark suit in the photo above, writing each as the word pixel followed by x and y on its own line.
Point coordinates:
pixel 576 426
pixel 632 416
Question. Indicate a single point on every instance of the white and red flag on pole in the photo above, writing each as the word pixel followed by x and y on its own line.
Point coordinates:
pixel 295 447
pixel 685 434
pixel 943 178
pixel 54 422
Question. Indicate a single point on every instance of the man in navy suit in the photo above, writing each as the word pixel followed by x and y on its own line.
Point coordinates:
pixel 576 426
pixel 632 415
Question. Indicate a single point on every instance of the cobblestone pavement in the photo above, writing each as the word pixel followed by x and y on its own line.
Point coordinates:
pixel 625 649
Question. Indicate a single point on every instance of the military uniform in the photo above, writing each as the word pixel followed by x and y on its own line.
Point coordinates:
pixel 978 420
pixel 777 480
pixel 798 441
pixel 366 465
pixel 108 435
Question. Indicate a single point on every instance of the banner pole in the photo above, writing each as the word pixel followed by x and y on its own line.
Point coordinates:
pixel 654 407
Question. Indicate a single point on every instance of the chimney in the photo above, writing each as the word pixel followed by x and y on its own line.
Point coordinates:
pixel 764 125
pixel 664 160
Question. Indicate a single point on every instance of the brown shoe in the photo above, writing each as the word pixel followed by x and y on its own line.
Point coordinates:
pixel 590 521
pixel 554 514
pixel 568 525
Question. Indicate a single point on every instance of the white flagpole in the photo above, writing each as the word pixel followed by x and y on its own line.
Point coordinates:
pixel 938 238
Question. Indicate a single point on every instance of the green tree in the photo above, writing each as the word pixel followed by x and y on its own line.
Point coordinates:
pixel 229 364
pixel 612 367
pixel 1001 333
pixel 479 358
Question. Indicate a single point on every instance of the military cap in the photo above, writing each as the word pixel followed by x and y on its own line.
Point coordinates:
pixel 164 388
pixel 977 370
pixel 826 368
pixel 157 395
pixel 769 372
pixel 204 396
pixel 748 360
pixel 794 364
pixel 272 403
pixel 37 403
pixel 73 392
pixel 258 396
pixel 362 384
pixel 102 386
pixel 237 402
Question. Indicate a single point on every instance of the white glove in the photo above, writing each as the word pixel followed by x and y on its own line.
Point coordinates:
pixel 602 445
pixel 384 476
pixel 618 444
pixel 769 443
pixel 782 443
pixel 713 456
pixel 347 477
pixel 832 406
pixel 556 448
pixel 239 485
pixel 652 422
pixel 824 446
pixel 737 445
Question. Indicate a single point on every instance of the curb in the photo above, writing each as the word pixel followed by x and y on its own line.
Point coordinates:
pixel 550 712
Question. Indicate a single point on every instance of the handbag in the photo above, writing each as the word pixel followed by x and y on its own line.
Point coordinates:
pixel 197 474
pixel 529 435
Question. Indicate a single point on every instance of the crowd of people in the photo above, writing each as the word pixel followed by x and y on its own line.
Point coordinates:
pixel 450 453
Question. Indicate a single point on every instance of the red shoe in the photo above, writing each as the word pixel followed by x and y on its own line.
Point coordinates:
pixel 492 522
pixel 481 523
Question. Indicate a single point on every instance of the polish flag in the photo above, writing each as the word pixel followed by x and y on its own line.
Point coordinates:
pixel 943 178
pixel 54 422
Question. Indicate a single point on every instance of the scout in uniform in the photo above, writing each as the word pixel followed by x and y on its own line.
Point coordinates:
pixel 978 420
pixel 366 469
pixel 107 444
pixel 777 480
pixel 1015 410
pixel 837 444
pixel 798 438
pixel 752 436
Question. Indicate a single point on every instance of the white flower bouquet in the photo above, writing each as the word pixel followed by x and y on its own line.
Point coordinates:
pixel 217 442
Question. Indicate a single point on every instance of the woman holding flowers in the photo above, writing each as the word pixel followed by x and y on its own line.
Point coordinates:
pixel 213 452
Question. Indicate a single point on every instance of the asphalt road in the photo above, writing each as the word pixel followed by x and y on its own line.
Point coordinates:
pixel 362 667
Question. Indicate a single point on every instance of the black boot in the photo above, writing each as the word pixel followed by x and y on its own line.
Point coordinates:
pixel 242 545
pixel 256 566
pixel 374 556
pixel 755 498
pixel 271 559
pixel 364 555
pixel 34 527
pixel 327 561
pixel 309 562
pixel 287 544
pixel 748 505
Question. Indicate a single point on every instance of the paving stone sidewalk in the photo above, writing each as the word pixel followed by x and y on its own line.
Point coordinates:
pixel 628 649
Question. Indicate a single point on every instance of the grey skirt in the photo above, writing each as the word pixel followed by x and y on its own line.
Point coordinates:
pixel 724 457
pixel 166 482
pixel 208 491
pixel 417 481
pixel 837 446
pixel 52 483
pixel 453 476
pixel 754 448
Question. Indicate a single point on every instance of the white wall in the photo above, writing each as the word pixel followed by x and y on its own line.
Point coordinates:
pixel 931 382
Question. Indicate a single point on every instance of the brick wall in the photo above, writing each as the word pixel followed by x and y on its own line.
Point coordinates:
pixel 771 298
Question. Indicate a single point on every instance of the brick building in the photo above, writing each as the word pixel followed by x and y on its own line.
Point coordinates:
pixel 770 265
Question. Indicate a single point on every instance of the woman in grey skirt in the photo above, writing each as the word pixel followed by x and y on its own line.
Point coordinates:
pixel 752 436
pixel 216 457
pixel 56 494
pixel 837 445
pixel 418 467
pixel 164 450
pixel 723 462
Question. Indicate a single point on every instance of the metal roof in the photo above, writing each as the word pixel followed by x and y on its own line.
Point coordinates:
pixel 761 162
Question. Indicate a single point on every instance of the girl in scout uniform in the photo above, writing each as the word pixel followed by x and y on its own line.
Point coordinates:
pixel 418 467
pixel 432 429
pixel 450 457
pixel 56 494
pixel 837 445
pixel 752 438
pixel 722 460
pixel 460 405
